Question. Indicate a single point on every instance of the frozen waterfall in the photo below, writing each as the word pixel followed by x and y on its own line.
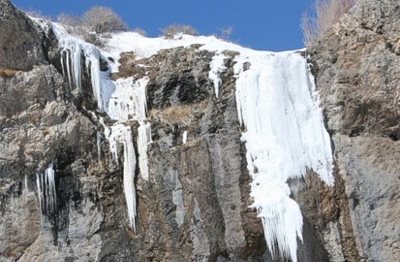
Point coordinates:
pixel 285 136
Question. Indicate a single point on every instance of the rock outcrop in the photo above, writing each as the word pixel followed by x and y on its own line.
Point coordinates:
pixel 195 204
pixel 357 69
pixel 21 45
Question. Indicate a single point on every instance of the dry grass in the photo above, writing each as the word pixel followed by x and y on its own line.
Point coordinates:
pixel 324 14
pixel 179 113
pixel 174 114
pixel 6 72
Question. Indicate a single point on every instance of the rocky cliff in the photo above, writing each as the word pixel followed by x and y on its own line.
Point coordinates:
pixel 63 188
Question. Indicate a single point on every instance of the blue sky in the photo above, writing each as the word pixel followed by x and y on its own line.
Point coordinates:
pixel 261 24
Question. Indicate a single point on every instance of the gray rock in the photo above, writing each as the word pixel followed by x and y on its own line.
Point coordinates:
pixel 357 69
pixel 26 49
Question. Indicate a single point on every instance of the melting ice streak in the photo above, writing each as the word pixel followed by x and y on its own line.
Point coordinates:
pixel 277 105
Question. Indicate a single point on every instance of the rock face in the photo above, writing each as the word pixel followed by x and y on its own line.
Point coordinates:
pixel 195 206
pixel 357 69
pixel 21 46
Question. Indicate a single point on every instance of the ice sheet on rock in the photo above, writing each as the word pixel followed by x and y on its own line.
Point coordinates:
pixel 285 136
pixel 129 100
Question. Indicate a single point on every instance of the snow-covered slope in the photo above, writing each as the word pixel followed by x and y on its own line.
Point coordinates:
pixel 277 106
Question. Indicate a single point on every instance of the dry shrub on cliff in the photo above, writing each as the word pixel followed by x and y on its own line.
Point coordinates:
pixel 171 30
pixel 174 114
pixel 96 20
pixel 102 19
pixel 179 113
pixel 6 72
pixel 99 19
pixel 323 15
pixel 69 20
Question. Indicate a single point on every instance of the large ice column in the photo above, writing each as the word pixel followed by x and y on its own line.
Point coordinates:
pixel 284 136
pixel 122 134
pixel 46 190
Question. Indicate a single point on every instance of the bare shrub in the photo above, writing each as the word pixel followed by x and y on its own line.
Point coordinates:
pixel 37 14
pixel 140 31
pixel 323 15
pixel 225 33
pixel 102 19
pixel 171 30
pixel 69 20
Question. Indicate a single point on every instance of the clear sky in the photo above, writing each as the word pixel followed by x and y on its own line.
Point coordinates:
pixel 261 24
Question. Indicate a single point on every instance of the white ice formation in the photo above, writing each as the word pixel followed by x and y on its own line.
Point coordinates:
pixel 122 100
pixel 285 136
pixel 277 105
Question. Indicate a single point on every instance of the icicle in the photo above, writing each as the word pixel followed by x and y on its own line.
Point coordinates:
pixel 26 183
pixel 184 137
pixel 122 134
pixel 74 48
pixel 144 137
pixel 98 138
pixel 284 136
pixel 46 190
pixel 50 190
pixel 39 193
